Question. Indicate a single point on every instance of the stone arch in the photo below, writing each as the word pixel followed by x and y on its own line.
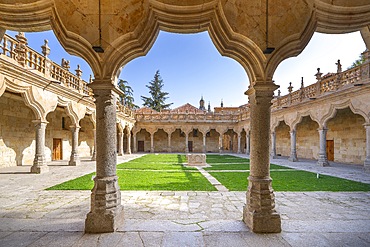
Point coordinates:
pixel 307 137
pixel 300 117
pixel 347 135
pixel 332 111
pixel 86 136
pixel 282 130
pixel 73 109
pixel 41 103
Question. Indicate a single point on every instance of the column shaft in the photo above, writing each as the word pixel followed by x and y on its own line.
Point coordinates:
pixel 75 158
pixel 220 143
pixel 135 143
pixel 259 212
pixel 186 142
pixel 128 151
pixel 93 157
pixel 239 140
pixel 273 145
pixel 39 162
pixel 106 212
pixel 152 142
pixel 293 146
pixel 323 159
pixel 204 143
pixel 120 144
pixel 169 142
pixel 367 159
pixel 248 144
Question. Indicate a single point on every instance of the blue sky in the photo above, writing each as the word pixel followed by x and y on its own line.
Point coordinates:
pixel 191 66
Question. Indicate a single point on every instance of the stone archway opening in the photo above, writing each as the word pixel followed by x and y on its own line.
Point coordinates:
pixel 282 139
pixel 346 137
pixel 308 142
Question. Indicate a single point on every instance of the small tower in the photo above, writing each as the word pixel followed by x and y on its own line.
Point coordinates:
pixel 209 106
pixel 222 103
pixel 201 104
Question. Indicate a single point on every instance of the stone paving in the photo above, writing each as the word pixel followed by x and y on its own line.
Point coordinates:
pixel 33 216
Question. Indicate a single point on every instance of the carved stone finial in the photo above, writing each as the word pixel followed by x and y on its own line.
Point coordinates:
pixel 78 71
pixel 65 64
pixel 339 66
pixel 222 103
pixel 279 93
pixel 90 79
pixel 45 48
pixel 318 74
pixel 21 48
pixel 290 88
pixel 302 84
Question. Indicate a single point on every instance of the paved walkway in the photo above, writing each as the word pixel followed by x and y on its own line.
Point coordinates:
pixel 33 216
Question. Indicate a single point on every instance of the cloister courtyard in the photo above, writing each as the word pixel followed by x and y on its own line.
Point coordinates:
pixel 34 215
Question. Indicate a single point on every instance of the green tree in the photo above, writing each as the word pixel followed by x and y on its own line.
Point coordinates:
pixel 358 62
pixel 158 97
pixel 127 99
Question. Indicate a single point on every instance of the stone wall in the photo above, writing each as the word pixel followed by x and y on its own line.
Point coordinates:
pixel 160 141
pixel 308 140
pixel 86 137
pixel 17 132
pixel 212 141
pixel 349 135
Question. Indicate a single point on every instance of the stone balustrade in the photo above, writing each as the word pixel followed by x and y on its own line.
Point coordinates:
pixel 17 52
pixel 332 82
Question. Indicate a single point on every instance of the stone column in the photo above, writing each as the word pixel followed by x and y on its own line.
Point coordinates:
pixel 169 142
pixel 259 212
pixel 220 143
pixel 323 159
pixel 367 159
pixel 248 143
pixel 75 158
pixel 239 140
pixel 135 142
pixel 128 151
pixel 293 146
pixel 152 142
pixel 120 144
pixel 273 145
pixel 204 142
pixel 186 142
pixel 106 212
pixel 93 157
pixel 39 163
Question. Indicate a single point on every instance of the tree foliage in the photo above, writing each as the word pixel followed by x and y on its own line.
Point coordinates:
pixel 157 98
pixel 127 99
pixel 358 62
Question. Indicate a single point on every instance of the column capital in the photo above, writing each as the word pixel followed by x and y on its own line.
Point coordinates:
pixel 40 121
pixel 366 125
pixel 268 87
pixel 75 127
pixel 104 84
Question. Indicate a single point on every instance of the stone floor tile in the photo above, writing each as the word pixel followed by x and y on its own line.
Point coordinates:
pixel 224 239
pixel 171 239
pixel 21 239
pixel 58 239
pixel 151 239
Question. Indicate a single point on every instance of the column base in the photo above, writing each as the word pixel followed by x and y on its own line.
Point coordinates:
pixel 120 154
pixel 293 158
pixel 128 152
pixel 74 162
pixel 101 222
pixel 259 213
pixel 323 161
pixel 106 213
pixel 39 169
pixel 367 166
pixel 261 223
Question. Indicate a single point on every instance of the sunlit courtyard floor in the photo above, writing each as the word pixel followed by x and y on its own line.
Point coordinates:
pixel 33 216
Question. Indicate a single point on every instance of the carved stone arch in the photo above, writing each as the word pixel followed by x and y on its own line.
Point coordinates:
pixel 335 107
pixel 28 95
pixel 92 115
pixel 276 121
pixel 73 109
pixel 301 115
pixel 205 16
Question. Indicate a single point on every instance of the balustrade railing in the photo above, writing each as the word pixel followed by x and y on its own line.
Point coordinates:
pixel 330 83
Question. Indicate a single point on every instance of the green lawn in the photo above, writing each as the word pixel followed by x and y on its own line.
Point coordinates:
pixel 292 181
pixel 166 172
